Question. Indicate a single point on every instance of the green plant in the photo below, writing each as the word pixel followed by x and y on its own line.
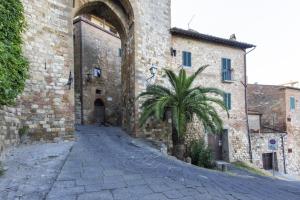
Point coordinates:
pixel 13 65
pixel 249 168
pixel 23 131
pixel 201 155
pixel 1 169
pixel 184 101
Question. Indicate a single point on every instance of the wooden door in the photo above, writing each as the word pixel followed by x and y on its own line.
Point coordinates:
pixel 215 144
pixel 268 161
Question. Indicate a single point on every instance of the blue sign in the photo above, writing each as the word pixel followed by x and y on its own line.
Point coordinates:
pixel 273 145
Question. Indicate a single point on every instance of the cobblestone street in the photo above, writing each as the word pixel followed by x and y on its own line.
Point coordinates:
pixel 106 164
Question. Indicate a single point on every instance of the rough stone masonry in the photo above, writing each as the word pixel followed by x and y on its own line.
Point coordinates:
pixel 47 105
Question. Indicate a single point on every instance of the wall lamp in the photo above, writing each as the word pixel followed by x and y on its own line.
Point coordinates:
pixel 70 80
pixel 153 71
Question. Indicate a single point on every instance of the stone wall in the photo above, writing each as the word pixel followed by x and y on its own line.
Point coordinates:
pixel 9 127
pixel 152 46
pixel 259 142
pixel 270 102
pixel 292 120
pixel 96 47
pixel 273 102
pixel 204 53
pixel 47 104
pixel 254 123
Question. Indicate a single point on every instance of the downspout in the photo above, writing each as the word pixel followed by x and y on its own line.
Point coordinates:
pixel 246 103
pixel 283 152
pixel 81 73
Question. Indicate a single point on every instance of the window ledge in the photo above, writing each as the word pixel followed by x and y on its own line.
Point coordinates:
pixel 228 81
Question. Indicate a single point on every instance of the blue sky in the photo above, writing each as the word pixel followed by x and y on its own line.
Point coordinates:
pixel 272 25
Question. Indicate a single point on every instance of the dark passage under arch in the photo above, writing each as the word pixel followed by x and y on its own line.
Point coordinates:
pixel 99 111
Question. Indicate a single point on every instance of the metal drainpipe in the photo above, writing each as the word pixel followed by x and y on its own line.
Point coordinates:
pixel 81 72
pixel 246 103
pixel 283 152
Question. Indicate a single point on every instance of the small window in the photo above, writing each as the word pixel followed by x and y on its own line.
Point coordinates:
pixel 227 100
pixel 120 52
pixel 292 103
pixel 226 69
pixel 187 59
pixel 173 52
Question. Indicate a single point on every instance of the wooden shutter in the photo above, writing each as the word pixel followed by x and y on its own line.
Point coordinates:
pixel 226 69
pixel 189 54
pixel 227 100
pixel 292 103
pixel 223 69
pixel 184 58
pixel 187 59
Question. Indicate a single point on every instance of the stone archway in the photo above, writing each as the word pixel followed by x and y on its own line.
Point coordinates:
pixel 120 15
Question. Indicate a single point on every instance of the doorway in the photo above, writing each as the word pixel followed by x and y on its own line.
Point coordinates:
pixel 215 143
pixel 99 111
pixel 218 143
pixel 268 161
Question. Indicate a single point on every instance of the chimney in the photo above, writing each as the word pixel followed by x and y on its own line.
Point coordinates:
pixel 232 37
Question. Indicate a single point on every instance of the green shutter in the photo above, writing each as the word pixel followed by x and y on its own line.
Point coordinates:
pixel 189 59
pixel 292 103
pixel 227 100
pixel 223 69
pixel 226 69
pixel 184 58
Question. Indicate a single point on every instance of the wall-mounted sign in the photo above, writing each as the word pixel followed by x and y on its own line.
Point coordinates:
pixel 273 144
pixel 109 98
pixel 97 72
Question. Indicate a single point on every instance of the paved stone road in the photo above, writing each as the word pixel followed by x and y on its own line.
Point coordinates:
pixel 105 164
pixel 32 169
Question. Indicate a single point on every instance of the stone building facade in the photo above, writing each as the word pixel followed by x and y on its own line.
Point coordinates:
pixel 207 50
pixel 280 114
pixel 52 104
pixel 9 127
pixel 97 66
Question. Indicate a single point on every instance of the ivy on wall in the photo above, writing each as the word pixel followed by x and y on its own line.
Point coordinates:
pixel 13 65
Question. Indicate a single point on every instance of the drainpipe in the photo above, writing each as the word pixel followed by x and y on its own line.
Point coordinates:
pixel 283 152
pixel 246 103
pixel 81 72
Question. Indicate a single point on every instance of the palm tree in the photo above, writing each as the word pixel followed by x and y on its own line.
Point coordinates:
pixel 184 102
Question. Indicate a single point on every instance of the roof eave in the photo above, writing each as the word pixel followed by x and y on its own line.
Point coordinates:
pixel 209 38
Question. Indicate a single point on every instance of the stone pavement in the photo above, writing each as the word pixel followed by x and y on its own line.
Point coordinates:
pixel 32 169
pixel 106 164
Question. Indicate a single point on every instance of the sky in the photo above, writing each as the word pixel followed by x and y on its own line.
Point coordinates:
pixel 272 25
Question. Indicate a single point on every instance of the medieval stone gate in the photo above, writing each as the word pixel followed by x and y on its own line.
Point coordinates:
pixel 47 104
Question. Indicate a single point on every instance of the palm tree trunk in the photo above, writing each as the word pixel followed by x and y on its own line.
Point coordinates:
pixel 178 145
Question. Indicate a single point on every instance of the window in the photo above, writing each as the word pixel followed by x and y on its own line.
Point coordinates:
pixel 292 103
pixel 173 52
pixel 187 59
pixel 227 100
pixel 226 69
pixel 120 52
